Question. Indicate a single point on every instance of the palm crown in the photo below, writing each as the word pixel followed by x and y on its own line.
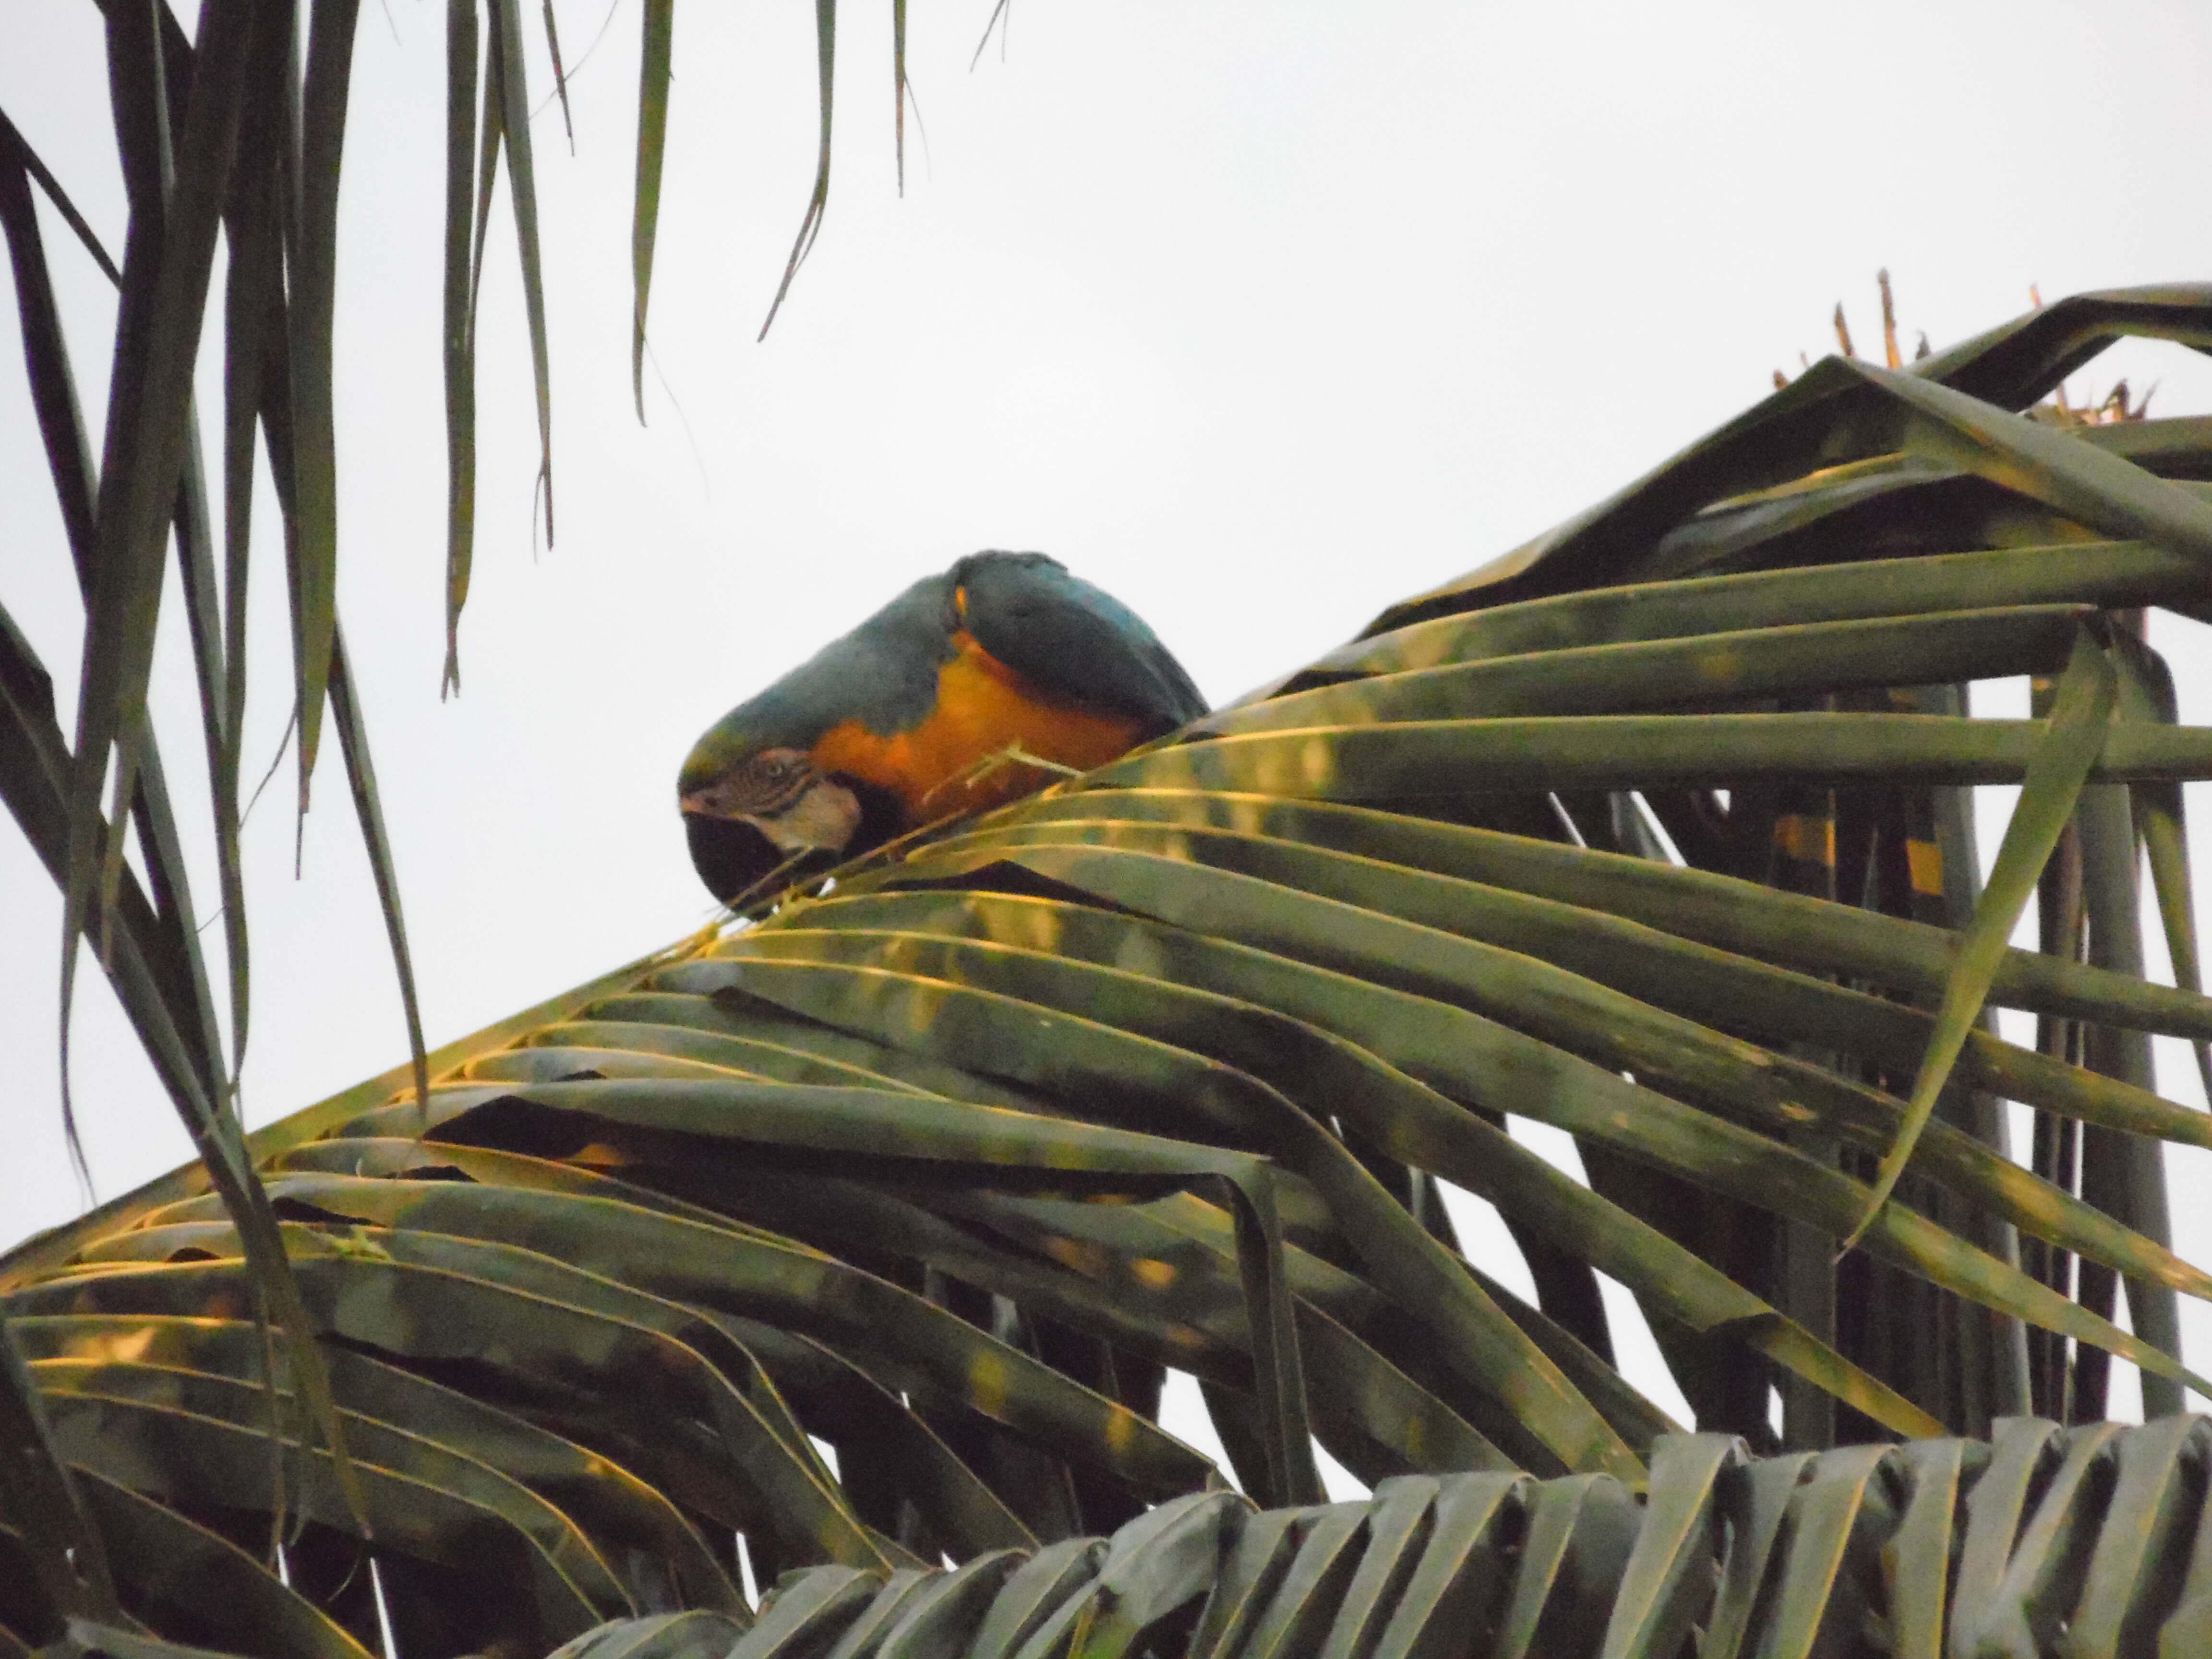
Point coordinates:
pixel 864 1228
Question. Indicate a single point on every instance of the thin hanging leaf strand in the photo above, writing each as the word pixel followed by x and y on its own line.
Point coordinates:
pixel 809 225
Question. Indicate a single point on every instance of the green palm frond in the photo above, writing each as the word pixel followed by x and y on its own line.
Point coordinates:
pixel 1944 1546
pixel 867 1225
pixel 859 1235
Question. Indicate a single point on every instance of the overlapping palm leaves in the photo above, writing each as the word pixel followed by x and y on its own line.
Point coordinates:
pixel 2042 1542
pixel 939 1169
pixel 867 1232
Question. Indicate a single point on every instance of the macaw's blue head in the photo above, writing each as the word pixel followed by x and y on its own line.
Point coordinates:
pixel 755 810
pixel 778 791
pixel 759 803
pixel 759 807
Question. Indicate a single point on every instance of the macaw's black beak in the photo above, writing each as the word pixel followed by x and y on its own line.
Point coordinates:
pixel 731 856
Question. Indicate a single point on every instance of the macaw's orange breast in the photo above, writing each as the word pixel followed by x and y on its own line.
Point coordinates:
pixel 983 708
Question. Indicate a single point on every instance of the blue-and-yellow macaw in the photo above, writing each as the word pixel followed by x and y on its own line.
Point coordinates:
pixel 939 703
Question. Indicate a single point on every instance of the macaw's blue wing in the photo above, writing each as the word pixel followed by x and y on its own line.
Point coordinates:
pixel 1075 644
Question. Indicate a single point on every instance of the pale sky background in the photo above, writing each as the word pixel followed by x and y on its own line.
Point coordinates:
pixel 1261 317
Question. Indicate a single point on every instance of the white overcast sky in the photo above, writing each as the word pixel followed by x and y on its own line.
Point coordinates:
pixel 1261 316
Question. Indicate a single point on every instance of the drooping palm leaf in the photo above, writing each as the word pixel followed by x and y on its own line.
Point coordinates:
pixel 207 147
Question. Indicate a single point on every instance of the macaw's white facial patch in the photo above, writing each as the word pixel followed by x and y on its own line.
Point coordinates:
pixel 822 819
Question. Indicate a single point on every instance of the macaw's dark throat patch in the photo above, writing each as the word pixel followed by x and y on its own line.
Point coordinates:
pixel 729 854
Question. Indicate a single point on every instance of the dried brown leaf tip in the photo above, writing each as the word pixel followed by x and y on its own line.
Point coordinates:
pixel 2116 405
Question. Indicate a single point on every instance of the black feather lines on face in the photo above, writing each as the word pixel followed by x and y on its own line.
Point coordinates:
pixel 767 783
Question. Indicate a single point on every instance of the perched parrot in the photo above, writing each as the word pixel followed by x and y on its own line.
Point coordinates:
pixel 939 703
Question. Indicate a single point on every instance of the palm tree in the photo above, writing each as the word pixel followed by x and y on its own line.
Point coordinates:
pixel 856 1234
